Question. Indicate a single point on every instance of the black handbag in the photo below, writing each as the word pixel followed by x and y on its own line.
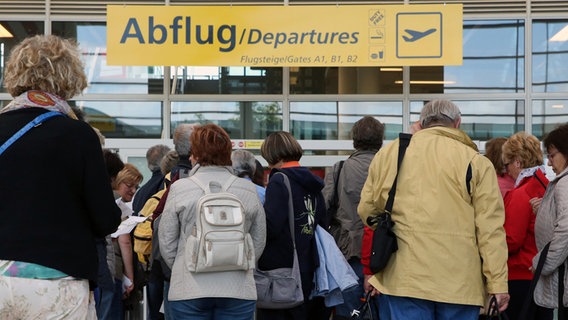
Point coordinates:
pixel 384 239
pixel 493 311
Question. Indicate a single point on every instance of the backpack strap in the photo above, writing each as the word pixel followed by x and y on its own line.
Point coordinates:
pixel 207 189
pixel 229 182
pixel 35 122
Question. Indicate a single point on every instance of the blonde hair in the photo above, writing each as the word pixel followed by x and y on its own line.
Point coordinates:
pixel 129 175
pixel 46 63
pixel 523 147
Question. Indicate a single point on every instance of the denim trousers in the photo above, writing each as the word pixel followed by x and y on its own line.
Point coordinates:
pixel 213 309
pixel 352 296
pixel 401 308
pixel 104 300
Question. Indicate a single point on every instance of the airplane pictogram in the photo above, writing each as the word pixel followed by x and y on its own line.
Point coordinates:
pixel 417 35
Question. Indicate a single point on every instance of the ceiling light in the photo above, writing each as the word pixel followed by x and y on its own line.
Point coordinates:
pixel 427 82
pixel 557 106
pixel 391 69
pixel 4 33
pixel 561 35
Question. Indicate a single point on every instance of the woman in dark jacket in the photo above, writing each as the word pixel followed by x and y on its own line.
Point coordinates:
pixel 283 152
pixel 55 193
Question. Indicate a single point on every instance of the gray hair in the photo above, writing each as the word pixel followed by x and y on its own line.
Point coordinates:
pixel 244 163
pixel 181 138
pixel 169 161
pixel 439 112
pixel 154 156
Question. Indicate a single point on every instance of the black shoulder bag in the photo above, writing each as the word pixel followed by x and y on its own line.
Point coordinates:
pixel 335 225
pixel 384 239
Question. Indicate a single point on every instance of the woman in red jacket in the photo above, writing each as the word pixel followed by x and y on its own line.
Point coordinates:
pixel 522 158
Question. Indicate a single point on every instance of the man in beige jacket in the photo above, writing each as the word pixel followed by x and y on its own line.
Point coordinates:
pixel 448 215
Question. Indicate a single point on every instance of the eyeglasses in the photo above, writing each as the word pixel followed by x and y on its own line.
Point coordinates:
pixel 552 154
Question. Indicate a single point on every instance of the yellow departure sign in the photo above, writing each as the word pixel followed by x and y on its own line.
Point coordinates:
pixel 280 36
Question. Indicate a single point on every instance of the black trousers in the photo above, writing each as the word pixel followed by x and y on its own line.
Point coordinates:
pixel 518 290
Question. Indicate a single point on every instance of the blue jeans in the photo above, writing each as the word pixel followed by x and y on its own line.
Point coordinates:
pixel 103 299
pixel 213 309
pixel 400 308
pixel 352 296
pixel 167 307
pixel 117 307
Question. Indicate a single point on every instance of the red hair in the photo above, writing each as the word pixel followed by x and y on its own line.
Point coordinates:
pixel 211 145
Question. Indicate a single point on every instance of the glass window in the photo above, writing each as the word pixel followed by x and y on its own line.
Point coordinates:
pixel 547 115
pixel 11 33
pixel 334 120
pixel 103 78
pixel 493 61
pixel 549 55
pixel 483 120
pixel 241 120
pixel 124 119
pixel 345 80
pixel 227 80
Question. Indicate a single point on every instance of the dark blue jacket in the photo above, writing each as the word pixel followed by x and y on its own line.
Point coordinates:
pixel 308 203
pixel 155 184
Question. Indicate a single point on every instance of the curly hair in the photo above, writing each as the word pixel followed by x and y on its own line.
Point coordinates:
pixel 523 147
pixel 244 164
pixel 368 134
pixel 211 145
pixel 47 63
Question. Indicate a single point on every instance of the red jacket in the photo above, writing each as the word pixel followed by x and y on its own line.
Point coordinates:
pixel 366 250
pixel 519 225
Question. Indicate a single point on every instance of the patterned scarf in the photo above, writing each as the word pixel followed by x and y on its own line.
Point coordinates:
pixel 40 99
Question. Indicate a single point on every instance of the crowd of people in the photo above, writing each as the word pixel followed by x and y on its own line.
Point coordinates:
pixel 469 227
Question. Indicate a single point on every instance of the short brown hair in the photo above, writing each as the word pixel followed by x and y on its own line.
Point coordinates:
pixel 368 134
pixel 523 147
pixel 211 145
pixel 493 151
pixel 558 138
pixel 47 63
pixel 281 146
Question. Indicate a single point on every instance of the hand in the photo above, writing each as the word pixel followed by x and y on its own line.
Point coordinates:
pixel 535 204
pixel 368 287
pixel 128 287
pixel 502 301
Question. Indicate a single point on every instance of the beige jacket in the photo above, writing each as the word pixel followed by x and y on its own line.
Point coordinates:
pixel 551 225
pixel 451 241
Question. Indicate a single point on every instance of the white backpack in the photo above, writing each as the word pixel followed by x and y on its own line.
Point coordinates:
pixel 217 240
